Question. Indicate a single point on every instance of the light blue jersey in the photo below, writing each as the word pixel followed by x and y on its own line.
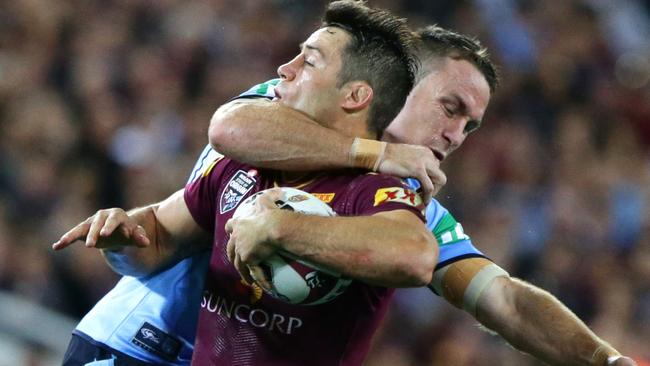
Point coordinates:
pixel 154 318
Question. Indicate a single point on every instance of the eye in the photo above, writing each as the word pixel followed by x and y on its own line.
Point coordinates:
pixel 471 126
pixel 450 109
pixel 309 62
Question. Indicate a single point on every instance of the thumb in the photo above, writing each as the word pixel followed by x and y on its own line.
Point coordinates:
pixel 139 236
pixel 230 225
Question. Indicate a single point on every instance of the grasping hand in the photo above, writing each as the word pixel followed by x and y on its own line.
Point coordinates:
pixel 413 161
pixel 249 242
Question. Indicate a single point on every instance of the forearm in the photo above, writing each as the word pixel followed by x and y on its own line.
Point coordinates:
pixel 129 260
pixel 269 135
pixel 172 235
pixel 535 322
pixel 373 249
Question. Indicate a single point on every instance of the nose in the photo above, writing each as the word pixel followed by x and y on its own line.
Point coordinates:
pixel 454 133
pixel 288 71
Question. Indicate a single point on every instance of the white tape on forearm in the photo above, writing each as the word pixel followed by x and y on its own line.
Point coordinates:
pixel 605 355
pixel 438 276
pixel 366 154
pixel 479 283
pixel 612 359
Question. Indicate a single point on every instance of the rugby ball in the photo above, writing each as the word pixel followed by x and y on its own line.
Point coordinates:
pixel 291 278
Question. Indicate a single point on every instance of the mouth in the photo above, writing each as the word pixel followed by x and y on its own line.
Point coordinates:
pixel 278 95
pixel 439 155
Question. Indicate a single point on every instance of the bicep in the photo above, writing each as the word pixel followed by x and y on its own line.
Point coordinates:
pixel 401 216
pixel 174 220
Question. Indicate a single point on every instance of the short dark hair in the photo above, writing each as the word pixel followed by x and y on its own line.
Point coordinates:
pixel 381 52
pixel 438 42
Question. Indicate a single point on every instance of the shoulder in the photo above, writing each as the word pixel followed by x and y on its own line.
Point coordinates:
pixel 262 90
pixel 382 190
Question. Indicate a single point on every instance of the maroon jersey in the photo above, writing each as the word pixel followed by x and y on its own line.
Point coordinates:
pixel 241 325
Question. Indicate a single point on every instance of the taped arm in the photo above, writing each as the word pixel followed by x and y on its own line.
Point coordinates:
pixel 530 319
pixel 535 322
pixel 270 135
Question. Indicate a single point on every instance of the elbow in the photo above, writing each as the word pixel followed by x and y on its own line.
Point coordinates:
pixel 422 260
pixel 125 265
pixel 225 131
pixel 220 130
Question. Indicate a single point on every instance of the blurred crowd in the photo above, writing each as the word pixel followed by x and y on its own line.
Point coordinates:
pixel 107 102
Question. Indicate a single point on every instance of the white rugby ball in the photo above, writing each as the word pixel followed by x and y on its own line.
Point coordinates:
pixel 292 279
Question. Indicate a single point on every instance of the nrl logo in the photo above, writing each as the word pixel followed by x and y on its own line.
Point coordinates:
pixel 298 198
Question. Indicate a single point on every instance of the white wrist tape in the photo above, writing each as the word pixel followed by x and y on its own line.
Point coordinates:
pixel 612 359
pixel 366 154
pixel 605 354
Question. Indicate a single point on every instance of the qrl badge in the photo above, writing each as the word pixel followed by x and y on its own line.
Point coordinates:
pixel 240 184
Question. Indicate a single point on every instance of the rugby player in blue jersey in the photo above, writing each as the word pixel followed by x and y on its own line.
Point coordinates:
pixel 453 89
pixel 447 104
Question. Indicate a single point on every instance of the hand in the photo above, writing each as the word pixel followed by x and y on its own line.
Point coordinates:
pixel 417 162
pixel 249 242
pixel 107 229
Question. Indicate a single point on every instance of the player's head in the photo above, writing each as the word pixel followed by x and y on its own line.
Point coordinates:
pixel 358 66
pixel 453 87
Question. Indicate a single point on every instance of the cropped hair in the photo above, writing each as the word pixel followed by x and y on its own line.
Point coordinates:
pixel 437 42
pixel 381 52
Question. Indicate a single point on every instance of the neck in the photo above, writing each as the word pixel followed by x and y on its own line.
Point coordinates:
pixel 353 125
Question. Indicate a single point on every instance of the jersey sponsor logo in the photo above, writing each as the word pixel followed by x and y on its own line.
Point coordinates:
pixel 398 194
pixel 154 340
pixel 247 314
pixel 325 197
pixel 237 187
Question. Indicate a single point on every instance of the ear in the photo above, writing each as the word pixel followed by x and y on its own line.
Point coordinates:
pixel 357 96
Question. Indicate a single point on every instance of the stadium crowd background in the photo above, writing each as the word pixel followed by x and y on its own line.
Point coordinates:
pixel 107 103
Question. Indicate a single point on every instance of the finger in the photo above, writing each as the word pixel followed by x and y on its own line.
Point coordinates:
pixel 76 233
pixel 247 275
pixel 437 176
pixel 139 237
pixel 268 199
pixel 258 275
pixel 428 188
pixel 113 221
pixel 243 270
pixel 93 232
pixel 230 249
pixel 230 225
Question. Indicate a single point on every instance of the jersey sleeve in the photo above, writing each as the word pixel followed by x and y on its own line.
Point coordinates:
pixel 454 244
pixel 205 159
pixel 263 90
pixel 201 192
pixel 375 193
